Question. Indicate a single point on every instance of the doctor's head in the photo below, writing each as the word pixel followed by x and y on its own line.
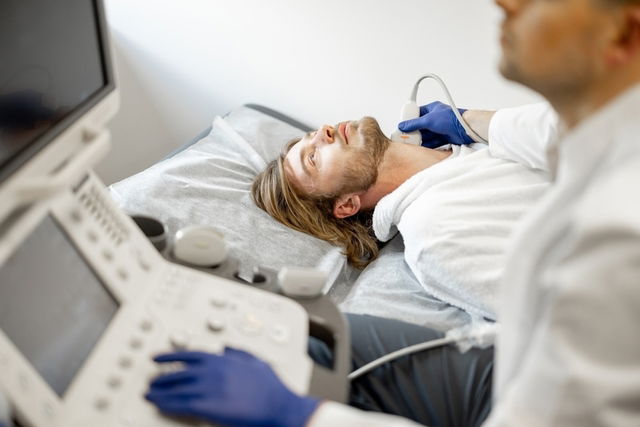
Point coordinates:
pixel 576 53
pixel 316 184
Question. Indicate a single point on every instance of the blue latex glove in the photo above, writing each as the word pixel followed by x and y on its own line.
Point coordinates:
pixel 234 389
pixel 438 125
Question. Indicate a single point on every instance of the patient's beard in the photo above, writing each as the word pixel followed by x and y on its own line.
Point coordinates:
pixel 362 172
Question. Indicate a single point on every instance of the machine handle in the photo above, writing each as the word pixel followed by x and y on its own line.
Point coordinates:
pixel 326 319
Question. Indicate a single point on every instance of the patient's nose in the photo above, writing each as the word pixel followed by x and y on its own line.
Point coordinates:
pixel 327 133
pixel 509 6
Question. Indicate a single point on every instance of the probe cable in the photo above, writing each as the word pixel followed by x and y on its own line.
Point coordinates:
pixel 427 345
pixel 414 94
pixel 475 335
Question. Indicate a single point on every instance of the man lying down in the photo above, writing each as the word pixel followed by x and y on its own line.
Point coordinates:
pixel 455 206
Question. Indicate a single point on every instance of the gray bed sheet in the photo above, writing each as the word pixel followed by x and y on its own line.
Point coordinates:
pixel 388 288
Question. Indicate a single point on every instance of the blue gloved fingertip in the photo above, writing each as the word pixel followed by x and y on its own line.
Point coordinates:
pixel 409 125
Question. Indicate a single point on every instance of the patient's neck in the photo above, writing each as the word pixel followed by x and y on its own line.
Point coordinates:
pixel 400 162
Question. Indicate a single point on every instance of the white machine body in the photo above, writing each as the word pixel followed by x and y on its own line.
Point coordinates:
pixel 156 306
pixel 86 300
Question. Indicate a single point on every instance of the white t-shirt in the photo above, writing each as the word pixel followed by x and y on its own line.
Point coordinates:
pixel 456 218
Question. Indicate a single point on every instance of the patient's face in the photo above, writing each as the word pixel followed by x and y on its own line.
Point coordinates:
pixel 336 160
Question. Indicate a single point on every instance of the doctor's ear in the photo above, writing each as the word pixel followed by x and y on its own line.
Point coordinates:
pixel 627 46
pixel 346 206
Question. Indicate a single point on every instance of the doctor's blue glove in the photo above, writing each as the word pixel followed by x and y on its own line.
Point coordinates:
pixel 438 125
pixel 235 389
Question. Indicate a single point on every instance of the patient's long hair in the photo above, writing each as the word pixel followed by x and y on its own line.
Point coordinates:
pixel 272 192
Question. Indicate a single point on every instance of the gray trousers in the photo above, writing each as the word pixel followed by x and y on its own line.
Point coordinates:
pixel 437 387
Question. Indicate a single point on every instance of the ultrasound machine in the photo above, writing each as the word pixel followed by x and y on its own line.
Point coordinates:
pixel 85 299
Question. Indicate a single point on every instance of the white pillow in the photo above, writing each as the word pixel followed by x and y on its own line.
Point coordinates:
pixel 209 184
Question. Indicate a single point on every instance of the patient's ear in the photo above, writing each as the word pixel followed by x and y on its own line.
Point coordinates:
pixel 346 206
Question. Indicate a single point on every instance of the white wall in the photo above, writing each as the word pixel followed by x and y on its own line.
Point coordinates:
pixel 181 62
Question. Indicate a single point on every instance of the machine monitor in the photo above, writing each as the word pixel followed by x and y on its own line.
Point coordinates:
pixel 54 67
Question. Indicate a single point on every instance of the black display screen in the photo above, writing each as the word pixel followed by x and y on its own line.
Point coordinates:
pixel 53 64
pixel 53 307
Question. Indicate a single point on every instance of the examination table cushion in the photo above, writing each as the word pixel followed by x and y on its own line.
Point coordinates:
pixel 209 184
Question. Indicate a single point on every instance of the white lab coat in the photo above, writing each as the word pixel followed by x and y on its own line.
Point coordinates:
pixel 569 349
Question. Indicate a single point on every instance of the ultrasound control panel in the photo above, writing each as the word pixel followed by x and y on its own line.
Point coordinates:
pixel 86 302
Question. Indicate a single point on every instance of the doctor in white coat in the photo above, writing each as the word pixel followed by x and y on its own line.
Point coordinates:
pixel 568 353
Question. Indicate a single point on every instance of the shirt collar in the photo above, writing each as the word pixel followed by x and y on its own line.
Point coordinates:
pixel 390 208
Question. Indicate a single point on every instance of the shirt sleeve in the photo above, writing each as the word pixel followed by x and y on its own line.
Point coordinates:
pixel 331 414
pixel 522 134
pixel 582 367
